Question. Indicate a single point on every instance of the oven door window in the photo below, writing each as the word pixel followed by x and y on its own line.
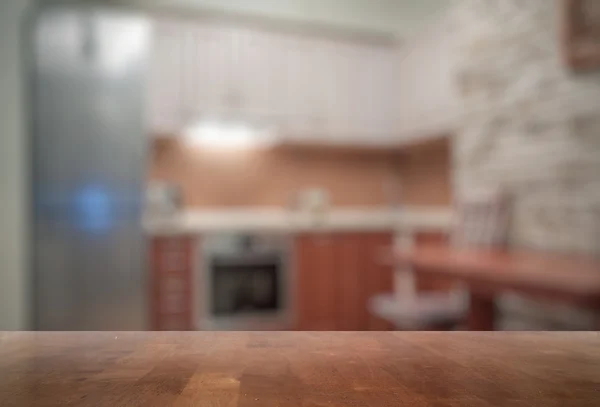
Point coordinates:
pixel 245 288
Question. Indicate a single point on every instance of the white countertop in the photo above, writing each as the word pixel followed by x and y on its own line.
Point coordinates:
pixel 279 220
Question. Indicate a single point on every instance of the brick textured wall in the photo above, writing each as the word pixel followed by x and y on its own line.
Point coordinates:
pixel 529 125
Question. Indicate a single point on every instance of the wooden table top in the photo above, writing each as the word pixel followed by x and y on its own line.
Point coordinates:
pixel 300 369
pixel 574 278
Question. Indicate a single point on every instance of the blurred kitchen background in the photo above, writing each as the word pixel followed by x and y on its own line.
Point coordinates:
pixel 218 165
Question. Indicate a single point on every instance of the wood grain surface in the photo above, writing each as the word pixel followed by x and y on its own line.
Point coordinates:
pixel 299 369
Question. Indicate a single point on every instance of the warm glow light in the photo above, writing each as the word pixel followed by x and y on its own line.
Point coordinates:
pixel 223 135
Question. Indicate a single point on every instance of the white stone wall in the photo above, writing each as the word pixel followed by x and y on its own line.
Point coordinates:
pixel 529 125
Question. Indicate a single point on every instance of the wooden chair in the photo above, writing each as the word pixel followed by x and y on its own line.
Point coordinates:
pixel 482 221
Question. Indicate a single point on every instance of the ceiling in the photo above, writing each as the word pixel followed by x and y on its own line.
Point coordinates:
pixel 401 17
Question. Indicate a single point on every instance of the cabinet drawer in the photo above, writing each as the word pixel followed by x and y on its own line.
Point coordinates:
pixel 171 283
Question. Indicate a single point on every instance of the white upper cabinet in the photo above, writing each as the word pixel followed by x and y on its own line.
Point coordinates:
pixel 212 87
pixel 370 112
pixel 199 75
pixel 166 82
pixel 298 115
pixel 361 110
pixel 229 73
pixel 384 95
pixel 254 82
pixel 306 88
pixel 336 89
pixel 428 102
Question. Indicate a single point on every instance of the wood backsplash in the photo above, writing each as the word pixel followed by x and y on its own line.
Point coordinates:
pixel 425 173
pixel 210 178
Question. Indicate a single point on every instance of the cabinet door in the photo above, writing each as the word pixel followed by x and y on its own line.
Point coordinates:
pixel 299 117
pixel 377 91
pixel 351 261
pixel 378 276
pixel 171 283
pixel 316 283
pixel 318 92
pixel 278 61
pixel 385 68
pixel 224 90
pixel 337 275
pixel 335 90
pixel 256 76
pixel 361 276
pixel 222 66
pixel 198 71
pixel 361 93
pixel 370 116
pixel 165 78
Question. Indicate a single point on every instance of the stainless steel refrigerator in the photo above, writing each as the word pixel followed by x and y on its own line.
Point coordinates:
pixel 88 155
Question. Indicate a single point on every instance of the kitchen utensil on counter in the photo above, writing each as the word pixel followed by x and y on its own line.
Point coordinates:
pixel 163 199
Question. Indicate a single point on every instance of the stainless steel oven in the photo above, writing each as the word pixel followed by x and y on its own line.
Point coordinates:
pixel 245 282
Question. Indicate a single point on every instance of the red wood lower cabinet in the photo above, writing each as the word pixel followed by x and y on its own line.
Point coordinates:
pixel 336 275
pixel 379 278
pixel 171 283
